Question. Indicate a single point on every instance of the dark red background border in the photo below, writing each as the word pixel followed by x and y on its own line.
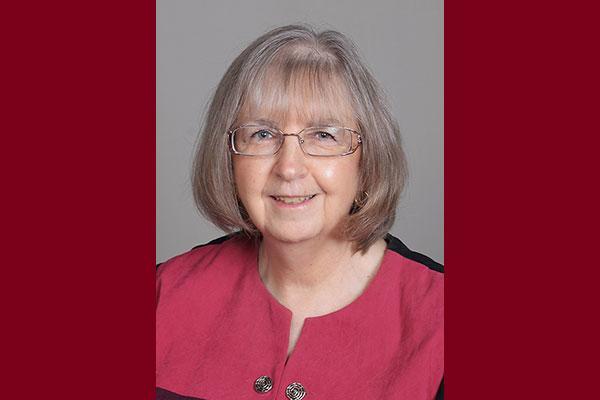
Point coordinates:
pixel 78 202
pixel 521 180
pixel 78 199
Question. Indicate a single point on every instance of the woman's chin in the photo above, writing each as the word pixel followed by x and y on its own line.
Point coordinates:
pixel 290 234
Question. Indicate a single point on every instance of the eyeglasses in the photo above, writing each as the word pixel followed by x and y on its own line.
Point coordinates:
pixel 324 141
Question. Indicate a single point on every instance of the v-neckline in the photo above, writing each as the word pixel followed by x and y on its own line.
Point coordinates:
pixel 348 309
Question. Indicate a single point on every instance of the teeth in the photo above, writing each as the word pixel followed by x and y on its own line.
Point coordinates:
pixel 292 200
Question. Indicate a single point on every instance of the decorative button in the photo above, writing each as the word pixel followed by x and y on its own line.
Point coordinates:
pixel 295 391
pixel 263 384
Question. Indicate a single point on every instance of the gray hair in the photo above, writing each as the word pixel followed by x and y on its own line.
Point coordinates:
pixel 327 64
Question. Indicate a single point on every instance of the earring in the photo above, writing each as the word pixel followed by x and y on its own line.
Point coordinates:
pixel 360 202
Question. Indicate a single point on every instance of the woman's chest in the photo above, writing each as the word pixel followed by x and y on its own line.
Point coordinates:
pixel 242 353
pixel 222 336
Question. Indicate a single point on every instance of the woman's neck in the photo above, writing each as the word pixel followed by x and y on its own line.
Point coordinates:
pixel 308 264
pixel 316 276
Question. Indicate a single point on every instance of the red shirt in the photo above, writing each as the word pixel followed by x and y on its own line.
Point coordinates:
pixel 218 330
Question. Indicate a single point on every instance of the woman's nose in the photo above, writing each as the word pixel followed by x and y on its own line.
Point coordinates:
pixel 290 161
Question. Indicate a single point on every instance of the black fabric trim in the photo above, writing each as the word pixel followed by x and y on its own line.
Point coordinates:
pixel 215 241
pixel 163 394
pixel 440 392
pixel 394 244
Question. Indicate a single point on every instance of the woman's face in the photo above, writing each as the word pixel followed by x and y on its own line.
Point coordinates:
pixel 276 190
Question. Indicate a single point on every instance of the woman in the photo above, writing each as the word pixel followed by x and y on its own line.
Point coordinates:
pixel 311 298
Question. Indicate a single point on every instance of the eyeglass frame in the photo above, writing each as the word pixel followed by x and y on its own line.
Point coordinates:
pixel 300 140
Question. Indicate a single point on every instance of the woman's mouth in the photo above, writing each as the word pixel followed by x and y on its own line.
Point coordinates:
pixel 293 200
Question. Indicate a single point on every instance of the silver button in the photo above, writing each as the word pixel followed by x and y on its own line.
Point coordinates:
pixel 263 384
pixel 295 391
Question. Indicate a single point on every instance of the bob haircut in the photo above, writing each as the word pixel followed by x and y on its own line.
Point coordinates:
pixel 283 68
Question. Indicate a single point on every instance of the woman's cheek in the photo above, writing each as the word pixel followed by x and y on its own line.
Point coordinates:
pixel 329 173
pixel 338 176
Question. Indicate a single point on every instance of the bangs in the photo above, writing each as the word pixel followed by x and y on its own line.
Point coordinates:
pixel 309 91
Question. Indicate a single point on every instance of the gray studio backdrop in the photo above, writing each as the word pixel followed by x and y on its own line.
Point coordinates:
pixel 400 40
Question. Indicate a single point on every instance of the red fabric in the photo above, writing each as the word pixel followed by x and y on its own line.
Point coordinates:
pixel 218 329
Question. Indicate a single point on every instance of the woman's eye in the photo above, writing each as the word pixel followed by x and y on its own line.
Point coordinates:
pixel 262 134
pixel 325 136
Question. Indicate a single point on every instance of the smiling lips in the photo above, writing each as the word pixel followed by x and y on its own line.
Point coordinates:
pixel 293 199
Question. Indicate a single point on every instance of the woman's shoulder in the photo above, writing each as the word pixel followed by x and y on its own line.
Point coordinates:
pixel 205 259
pixel 413 258
pixel 416 273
